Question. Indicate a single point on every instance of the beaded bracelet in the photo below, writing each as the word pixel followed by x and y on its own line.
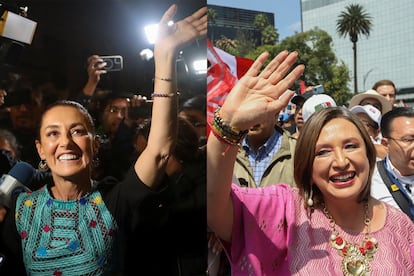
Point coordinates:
pixel 222 138
pixel 164 95
pixel 228 134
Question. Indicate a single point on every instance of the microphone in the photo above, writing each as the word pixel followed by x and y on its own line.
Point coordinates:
pixel 11 184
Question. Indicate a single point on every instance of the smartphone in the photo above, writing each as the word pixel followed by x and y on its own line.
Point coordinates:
pixel 113 63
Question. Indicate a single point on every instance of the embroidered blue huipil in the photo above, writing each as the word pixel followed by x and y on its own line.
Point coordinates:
pixel 75 236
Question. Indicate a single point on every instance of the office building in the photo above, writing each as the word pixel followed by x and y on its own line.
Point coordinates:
pixel 388 51
pixel 229 21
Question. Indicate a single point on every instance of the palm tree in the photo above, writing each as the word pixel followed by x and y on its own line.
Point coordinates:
pixel 226 44
pixel 354 22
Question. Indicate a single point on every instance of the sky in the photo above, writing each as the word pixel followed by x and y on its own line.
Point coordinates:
pixel 286 12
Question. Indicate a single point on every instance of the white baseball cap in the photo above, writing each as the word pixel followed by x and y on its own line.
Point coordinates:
pixel 368 109
pixel 316 103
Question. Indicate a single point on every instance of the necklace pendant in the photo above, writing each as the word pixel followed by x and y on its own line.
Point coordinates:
pixel 354 263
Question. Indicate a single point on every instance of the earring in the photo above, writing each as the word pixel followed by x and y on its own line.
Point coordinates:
pixel 310 198
pixel 43 167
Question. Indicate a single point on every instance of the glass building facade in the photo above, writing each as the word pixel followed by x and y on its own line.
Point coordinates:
pixel 229 21
pixel 388 52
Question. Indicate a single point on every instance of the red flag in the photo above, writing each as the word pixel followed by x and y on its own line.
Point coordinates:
pixel 223 72
pixel 302 87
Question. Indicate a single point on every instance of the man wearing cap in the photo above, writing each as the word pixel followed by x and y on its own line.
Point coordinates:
pixel 393 177
pixel 315 103
pixel 378 101
pixel 373 98
pixel 370 116
pixel 299 100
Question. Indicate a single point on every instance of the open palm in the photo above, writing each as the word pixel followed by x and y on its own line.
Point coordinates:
pixel 184 31
pixel 260 96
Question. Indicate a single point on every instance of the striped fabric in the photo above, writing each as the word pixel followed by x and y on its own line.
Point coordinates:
pixel 274 235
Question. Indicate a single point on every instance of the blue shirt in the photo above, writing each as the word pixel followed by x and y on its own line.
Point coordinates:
pixel 261 159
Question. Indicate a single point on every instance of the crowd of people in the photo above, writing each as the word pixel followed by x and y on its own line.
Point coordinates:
pixel 125 185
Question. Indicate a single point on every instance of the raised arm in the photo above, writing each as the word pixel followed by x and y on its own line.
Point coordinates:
pixel 95 65
pixel 151 163
pixel 258 96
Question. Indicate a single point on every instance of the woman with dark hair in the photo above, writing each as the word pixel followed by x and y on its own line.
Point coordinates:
pixel 71 226
pixel 329 223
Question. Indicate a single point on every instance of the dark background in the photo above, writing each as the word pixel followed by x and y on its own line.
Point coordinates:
pixel 68 31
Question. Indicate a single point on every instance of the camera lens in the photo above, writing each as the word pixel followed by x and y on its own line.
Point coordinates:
pixel 109 63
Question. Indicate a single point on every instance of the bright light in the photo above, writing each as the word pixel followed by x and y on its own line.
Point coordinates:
pixel 152 30
pixel 200 66
pixel 151 33
pixel 146 54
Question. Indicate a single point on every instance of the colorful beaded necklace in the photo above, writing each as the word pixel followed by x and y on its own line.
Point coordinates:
pixel 356 257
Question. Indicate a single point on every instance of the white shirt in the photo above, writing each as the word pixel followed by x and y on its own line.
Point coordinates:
pixel 380 191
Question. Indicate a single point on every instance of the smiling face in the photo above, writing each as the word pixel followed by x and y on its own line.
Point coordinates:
pixel 340 167
pixel 66 142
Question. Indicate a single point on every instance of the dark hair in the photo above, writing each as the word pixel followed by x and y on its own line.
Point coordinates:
pixel 186 147
pixel 11 138
pixel 197 102
pixel 384 82
pixel 76 105
pixel 305 151
pixel 388 117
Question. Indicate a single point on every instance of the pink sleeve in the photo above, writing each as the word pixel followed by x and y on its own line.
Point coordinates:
pixel 261 226
pixel 412 253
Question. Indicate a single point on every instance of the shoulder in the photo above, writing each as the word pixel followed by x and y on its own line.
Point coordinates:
pixel 391 219
pixel 269 192
pixel 41 192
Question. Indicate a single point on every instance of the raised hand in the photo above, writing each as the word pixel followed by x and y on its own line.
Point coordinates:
pixel 260 95
pixel 182 32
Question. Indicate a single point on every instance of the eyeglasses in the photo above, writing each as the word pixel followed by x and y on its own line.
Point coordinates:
pixel 405 141
pixel 115 109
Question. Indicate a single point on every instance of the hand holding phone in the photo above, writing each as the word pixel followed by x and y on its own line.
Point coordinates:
pixel 113 63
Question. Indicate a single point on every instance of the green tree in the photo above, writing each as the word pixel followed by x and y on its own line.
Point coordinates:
pixel 269 34
pixel 261 21
pixel 211 17
pixel 354 21
pixel 322 67
pixel 245 43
